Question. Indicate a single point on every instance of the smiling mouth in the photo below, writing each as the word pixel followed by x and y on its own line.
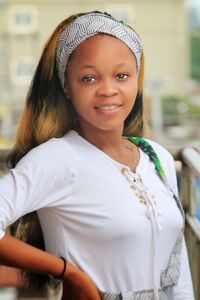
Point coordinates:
pixel 107 107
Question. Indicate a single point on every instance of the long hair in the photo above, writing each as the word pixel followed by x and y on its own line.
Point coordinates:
pixel 134 123
pixel 48 114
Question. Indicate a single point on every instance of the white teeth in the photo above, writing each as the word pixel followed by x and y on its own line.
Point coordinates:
pixel 107 107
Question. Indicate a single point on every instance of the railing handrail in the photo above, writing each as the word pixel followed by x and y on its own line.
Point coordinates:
pixel 194 225
pixel 191 158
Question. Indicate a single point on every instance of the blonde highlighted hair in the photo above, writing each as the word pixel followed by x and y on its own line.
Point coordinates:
pixel 48 114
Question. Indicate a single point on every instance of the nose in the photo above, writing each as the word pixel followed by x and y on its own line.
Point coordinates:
pixel 107 88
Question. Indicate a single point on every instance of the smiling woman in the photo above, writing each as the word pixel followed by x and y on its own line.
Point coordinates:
pixel 102 83
pixel 110 224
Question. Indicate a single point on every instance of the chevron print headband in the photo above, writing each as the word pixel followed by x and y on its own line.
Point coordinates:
pixel 87 26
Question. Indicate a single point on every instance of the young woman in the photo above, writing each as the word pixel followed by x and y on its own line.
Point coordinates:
pixel 106 198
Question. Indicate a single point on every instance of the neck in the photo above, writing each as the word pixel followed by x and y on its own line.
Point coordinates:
pixel 105 140
pixel 112 143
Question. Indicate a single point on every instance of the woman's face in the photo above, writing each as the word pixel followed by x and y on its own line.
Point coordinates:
pixel 102 83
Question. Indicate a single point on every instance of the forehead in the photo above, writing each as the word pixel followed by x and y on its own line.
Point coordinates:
pixel 102 45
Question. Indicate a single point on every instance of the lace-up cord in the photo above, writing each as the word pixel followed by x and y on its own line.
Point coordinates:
pixel 152 215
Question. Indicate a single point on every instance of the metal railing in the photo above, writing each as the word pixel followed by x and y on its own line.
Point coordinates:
pixel 190 196
pixel 189 173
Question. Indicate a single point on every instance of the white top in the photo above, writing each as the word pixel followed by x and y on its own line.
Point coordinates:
pixel 90 215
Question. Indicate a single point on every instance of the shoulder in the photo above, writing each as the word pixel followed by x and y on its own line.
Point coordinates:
pixel 163 153
pixel 165 157
pixel 167 162
pixel 56 151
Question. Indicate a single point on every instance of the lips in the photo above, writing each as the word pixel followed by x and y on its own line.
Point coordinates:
pixel 107 107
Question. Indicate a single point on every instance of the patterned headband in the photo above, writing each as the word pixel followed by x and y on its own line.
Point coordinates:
pixel 87 26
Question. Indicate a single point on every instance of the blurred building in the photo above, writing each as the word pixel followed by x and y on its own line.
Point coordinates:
pixel 24 27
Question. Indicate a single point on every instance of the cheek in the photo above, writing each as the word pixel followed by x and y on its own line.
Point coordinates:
pixel 76 104
pixel 77 90
pixel 132 91
pixel 135 90
pixel 80 102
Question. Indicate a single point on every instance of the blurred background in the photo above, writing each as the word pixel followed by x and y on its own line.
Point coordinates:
pixel 170 34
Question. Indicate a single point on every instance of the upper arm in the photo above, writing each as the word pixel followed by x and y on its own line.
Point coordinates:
pixel 38 180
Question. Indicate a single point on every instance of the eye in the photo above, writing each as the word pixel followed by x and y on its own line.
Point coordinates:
pixel 88 78
pixel 122 76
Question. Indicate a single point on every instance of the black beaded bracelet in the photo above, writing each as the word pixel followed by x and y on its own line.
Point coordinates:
pixel 60 276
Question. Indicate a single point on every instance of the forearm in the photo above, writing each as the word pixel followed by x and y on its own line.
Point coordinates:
pixel 21 255
pixel 18 254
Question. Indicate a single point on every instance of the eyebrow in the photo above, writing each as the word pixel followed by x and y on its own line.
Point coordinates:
pixel 116 66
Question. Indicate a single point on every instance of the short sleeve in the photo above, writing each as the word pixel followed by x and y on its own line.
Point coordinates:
pixel 41 179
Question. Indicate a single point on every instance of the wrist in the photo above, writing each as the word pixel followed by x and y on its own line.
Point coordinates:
pixel 63 270
pixel 72 273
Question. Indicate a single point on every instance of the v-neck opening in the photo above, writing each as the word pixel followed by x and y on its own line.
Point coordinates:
pixel 138 166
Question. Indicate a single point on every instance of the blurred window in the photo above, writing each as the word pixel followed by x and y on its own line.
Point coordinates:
pixel 22 18
pixel 21 70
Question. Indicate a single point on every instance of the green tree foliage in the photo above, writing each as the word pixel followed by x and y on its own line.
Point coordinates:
pixel 195 55
pixel 177 109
